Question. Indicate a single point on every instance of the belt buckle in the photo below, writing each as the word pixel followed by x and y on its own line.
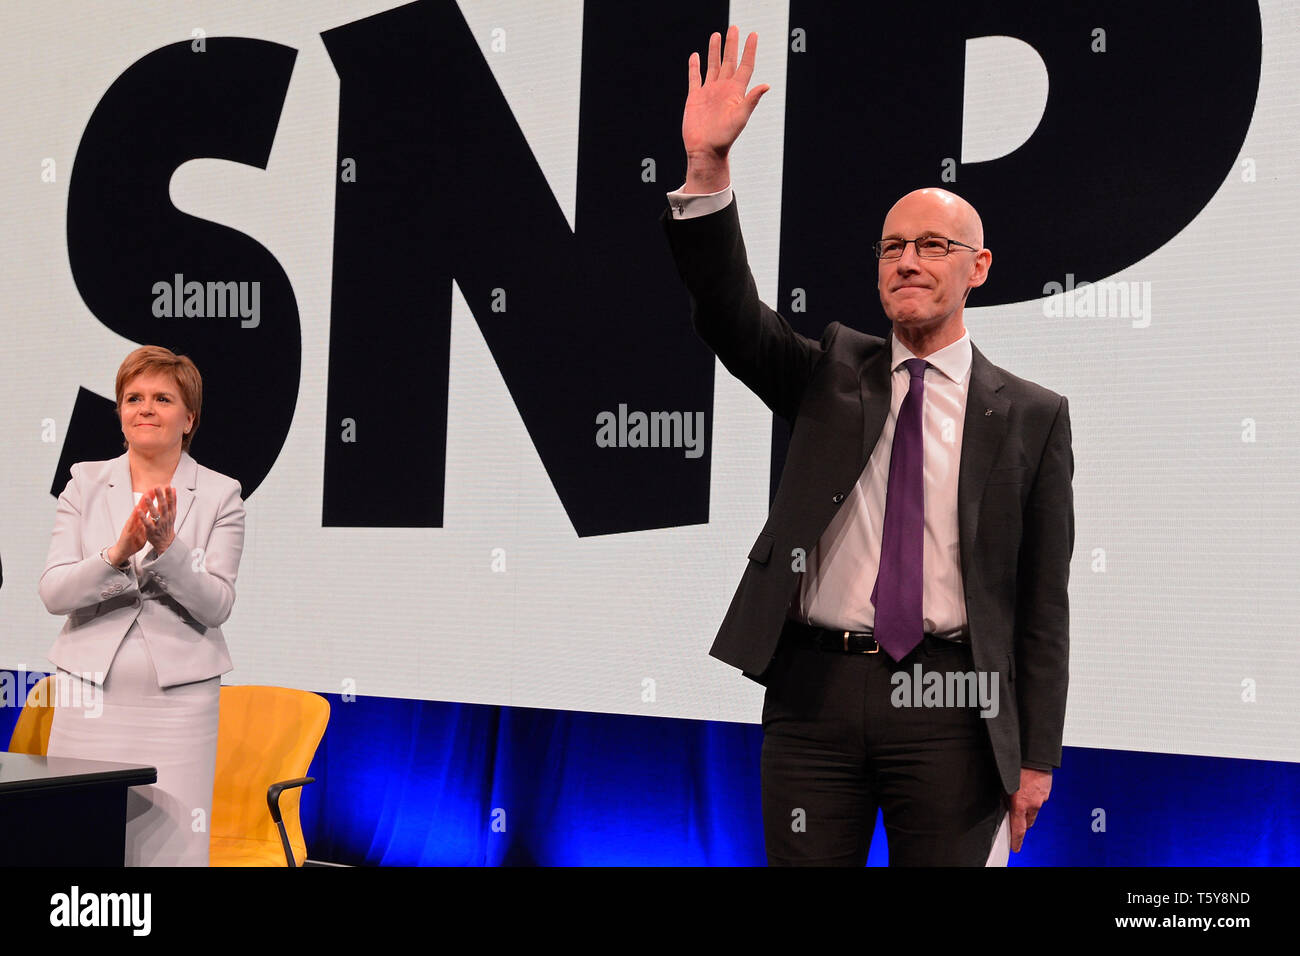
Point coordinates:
pixel 846 644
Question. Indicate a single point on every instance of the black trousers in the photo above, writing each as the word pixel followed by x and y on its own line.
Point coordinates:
pixel 836 748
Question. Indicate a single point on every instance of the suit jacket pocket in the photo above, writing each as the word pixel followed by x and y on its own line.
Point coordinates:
pixel 762 549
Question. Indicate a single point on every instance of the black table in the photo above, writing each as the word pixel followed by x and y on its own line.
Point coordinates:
pixel 60 811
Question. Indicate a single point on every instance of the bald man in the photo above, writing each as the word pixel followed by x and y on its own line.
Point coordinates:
pixel 906 603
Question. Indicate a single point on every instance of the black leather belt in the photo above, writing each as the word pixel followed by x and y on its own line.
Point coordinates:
pixel 859 642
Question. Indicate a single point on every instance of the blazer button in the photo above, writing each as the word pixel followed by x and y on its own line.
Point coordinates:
pixel 838 497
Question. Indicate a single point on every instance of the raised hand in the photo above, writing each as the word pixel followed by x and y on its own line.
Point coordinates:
pixel 717 109
pixel 133 536
pixel 160 517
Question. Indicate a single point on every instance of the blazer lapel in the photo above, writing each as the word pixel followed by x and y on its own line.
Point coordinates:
pixel 877 394
pixel 985 427
pixel 119 497
pixel 185 480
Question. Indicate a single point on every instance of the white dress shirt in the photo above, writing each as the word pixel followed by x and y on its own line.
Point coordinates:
pixel 836 590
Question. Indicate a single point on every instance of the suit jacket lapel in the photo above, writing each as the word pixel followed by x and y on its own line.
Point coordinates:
pixel 185 480
pixel 877 394
pixel 120 499
pixel 985 427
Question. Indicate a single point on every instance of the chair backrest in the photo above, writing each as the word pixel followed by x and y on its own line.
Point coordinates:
pixel 267 734
pixel 32 732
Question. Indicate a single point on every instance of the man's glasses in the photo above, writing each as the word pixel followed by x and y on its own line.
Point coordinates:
pixel 927 247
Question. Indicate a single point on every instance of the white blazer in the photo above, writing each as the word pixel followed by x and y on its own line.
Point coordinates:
pixel 180 598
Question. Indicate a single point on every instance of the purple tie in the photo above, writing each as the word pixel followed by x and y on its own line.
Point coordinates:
pixel 897 594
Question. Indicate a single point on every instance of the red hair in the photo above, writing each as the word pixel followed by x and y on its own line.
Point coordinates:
pixel 148 359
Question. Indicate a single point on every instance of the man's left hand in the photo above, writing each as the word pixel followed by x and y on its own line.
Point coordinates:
pixel 1022 806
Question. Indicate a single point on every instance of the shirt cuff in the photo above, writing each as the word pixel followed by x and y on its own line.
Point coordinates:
pixel 691 205
pixel 1032 765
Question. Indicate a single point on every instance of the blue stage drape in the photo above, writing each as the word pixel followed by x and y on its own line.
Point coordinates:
pixel 408 782
pixel 414 783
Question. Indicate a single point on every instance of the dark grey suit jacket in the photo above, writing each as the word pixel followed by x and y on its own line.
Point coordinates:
pixel 1015 502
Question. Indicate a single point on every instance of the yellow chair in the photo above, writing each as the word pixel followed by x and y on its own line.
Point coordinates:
pixel 266 739
pixel 32 732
